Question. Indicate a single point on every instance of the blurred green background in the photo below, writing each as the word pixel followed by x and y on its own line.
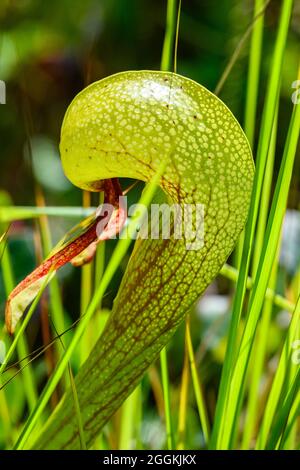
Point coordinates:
pixel 50 50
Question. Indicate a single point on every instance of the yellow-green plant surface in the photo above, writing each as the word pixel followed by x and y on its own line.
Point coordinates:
pixel 127 125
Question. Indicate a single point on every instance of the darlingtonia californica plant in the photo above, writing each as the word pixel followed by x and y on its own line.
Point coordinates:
pixel 128 125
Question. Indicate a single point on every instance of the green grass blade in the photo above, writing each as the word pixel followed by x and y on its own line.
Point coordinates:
pixel 253 73
pixel 232 273
pixel 56 306
pixel 115 260
pixel 279 379
pixel 7 425
pixel 263 273
pixel 10 214
pixel 168 46
pixel 30 388
pixel 86 288
pixel 238 49
pixel 282 418
pixel 263 147
pixel 100 255
pixel 265 196
pixel 77 410
pixel 20 329
pixel 258 355
pixel 261 343
pixel 291 424
pixel 130 420
pixel 168 61
pixel 252 90
pixel 183 401
pixel 166 391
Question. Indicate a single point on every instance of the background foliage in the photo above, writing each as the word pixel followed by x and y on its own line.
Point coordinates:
pixel 48 52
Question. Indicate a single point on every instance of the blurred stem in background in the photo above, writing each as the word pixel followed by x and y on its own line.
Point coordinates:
pixel 254 72
pixel 167 58
pixel 254 67
pixel 168 63
pixel 270 414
